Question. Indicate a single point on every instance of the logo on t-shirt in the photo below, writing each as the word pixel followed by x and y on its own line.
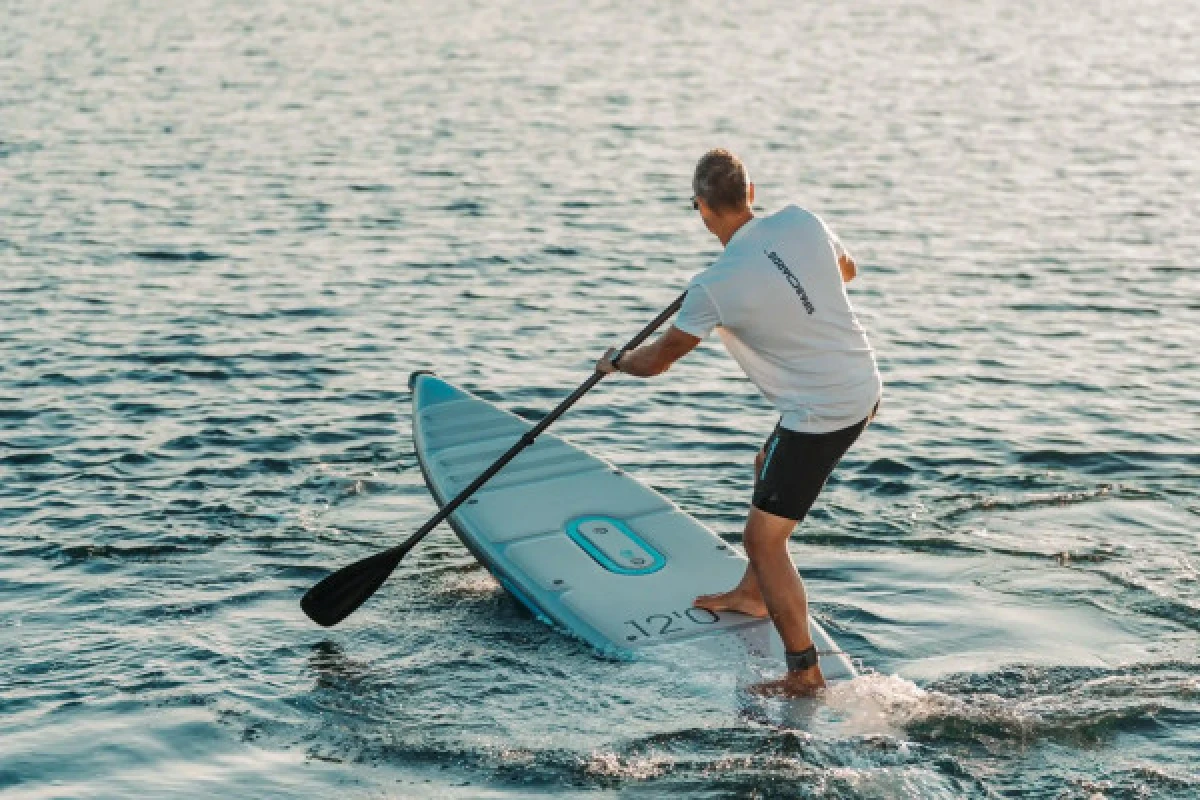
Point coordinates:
pixel 787 273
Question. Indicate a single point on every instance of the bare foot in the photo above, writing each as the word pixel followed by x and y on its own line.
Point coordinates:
pixel 803 683
pixel 733 600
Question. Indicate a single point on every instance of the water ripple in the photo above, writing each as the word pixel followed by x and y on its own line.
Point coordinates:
pixel 230 234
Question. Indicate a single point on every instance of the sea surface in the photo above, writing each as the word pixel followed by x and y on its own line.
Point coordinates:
pixel 229 230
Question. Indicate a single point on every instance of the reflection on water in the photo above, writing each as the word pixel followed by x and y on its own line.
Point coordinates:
pixel 229 231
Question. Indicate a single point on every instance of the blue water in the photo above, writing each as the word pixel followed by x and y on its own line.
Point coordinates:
pixel 229 231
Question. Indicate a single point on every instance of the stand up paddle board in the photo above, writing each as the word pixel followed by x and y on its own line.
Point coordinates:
pixel 585 547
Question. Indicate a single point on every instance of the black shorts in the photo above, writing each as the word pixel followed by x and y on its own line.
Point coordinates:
pixel 796 467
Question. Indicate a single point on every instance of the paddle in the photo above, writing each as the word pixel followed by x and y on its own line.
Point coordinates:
pixel 338 595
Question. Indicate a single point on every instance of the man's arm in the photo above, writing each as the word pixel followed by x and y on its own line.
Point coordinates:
pixel 654 358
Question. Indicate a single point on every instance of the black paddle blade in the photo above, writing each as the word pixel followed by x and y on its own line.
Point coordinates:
pixel 340 594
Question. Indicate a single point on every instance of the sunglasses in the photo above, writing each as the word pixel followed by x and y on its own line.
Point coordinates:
pixel 695 204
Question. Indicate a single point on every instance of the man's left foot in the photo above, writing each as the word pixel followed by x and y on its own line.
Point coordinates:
pixel 735 599
pixel 801 683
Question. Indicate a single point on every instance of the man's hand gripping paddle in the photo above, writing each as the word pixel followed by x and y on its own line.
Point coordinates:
pixel 340 594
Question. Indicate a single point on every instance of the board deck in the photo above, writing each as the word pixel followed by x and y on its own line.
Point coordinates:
pixel 584 546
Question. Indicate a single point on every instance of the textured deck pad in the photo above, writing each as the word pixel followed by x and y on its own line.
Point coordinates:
pixel 584 545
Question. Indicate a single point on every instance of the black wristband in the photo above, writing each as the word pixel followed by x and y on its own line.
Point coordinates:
pixel 805 659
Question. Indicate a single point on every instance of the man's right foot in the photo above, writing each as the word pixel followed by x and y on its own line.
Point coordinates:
pixel 804 683
pixel 733 600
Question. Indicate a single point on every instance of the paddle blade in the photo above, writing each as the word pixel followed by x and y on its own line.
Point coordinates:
pixel 340 594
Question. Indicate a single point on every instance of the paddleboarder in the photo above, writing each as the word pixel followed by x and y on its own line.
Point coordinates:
pixel 776 296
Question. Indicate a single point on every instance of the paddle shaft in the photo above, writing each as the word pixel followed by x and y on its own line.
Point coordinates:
pixel 339 594
pixel 530 435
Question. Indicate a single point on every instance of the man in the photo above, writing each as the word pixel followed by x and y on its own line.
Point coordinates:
pixel 777 299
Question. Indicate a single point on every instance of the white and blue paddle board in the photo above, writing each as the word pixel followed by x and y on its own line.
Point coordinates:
pixel 584 546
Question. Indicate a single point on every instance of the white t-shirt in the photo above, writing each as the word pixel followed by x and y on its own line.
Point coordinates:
pixel 777 299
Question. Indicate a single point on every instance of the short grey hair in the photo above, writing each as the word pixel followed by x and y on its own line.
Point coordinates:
pixel 720 181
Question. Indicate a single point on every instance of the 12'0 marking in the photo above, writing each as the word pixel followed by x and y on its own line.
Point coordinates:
pixel 665 624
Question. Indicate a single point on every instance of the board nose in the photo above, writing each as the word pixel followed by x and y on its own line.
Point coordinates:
pixel 429 390
pixel 412 378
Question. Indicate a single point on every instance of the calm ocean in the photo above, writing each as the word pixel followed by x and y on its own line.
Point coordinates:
pixel 229 230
